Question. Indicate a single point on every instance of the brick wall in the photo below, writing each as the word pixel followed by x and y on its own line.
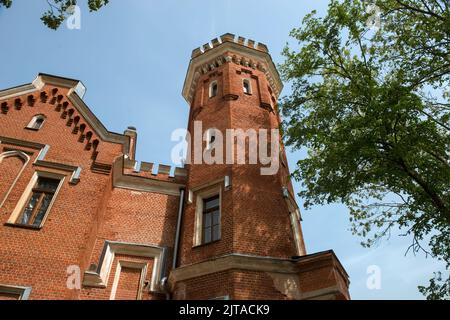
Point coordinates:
pixel 254 213
pixel 234 284
pixel 10 168
pixel 255 217
pixel 211 286
pixel 83 215
pixel 128 286
pixel 252 285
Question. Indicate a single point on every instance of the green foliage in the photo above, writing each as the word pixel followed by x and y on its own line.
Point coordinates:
pixel 59 10
pixel 6 3
pixel 439 288
pixel 372 108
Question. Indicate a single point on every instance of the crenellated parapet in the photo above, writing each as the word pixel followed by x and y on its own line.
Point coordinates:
pixel 229 37
pixel 229 48
pixel 153 171
pixel 146 177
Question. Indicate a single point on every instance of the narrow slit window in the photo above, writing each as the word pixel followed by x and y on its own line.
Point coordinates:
pixel 38 202
pixel 211 138
pixel 211 219
pixel 247 86
pixel 213 89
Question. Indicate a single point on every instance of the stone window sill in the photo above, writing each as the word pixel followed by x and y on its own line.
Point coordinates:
pixel 23 226
pixel 31 129
pixel 206 244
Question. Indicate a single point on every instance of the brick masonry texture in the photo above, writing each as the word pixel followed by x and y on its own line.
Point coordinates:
pixel 87 214
pixel 128 284
pixel 254 214
pixel 83 215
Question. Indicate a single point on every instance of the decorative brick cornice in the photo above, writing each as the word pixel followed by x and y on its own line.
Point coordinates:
pixel 229 262
pixel 227 49
pixel 256 263
pixel 283 270
pixel 74 95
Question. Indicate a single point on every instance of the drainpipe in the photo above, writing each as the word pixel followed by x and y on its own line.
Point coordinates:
pixel 177 235
pixel 165 281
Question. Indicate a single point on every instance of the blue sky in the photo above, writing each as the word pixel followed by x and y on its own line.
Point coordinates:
pixel 133 55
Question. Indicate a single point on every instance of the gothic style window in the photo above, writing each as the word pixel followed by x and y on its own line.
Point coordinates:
pixel 37 122
pixel 211 219
pixel 12 164
pixel 247 86
pixel 213 89
pixel 38 202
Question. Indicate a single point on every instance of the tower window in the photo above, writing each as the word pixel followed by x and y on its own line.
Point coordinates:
pixel 247 86
pixel 211 219
pixel 37 122
pixel 213 89
pixel 210 138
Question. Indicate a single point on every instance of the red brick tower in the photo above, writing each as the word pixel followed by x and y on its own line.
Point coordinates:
pixel 240 227
pixel 75 205
pixel 236 86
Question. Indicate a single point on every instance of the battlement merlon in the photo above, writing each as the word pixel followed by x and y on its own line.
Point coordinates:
pixel 150 170
pixel 230 49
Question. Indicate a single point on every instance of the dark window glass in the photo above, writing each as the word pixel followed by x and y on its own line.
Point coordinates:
pixel 212 203
pixel 214 89
pixel 246 87
pixel 216 217
pixel 38 123
pixel 39 201
pixel 211 219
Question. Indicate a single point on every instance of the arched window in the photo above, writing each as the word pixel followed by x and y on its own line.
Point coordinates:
pixel 37 122
pixel 12 164
pixel 213 89
pixel 247 87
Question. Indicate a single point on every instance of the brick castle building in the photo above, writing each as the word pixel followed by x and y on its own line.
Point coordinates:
pixel 81 219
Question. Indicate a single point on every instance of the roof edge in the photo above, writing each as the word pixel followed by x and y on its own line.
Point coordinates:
pixel 75 95
pixel 219 48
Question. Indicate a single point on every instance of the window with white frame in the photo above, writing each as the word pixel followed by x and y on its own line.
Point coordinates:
pixel 37 122
pixel 211 219
pixel 213 89
pixel 208 216
pixel 247 87
pixel 37 200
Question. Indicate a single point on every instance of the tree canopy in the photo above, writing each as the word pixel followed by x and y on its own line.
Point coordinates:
pixel 370 102
pixel 59 10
